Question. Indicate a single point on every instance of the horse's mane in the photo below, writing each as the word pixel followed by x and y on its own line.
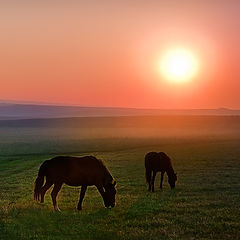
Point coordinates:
pixel 164 155
pixel 105 169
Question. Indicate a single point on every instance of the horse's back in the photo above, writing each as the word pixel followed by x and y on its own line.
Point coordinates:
pixel 76 170
pixel 157 161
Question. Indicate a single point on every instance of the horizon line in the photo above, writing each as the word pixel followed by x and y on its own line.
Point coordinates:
pixel 24 102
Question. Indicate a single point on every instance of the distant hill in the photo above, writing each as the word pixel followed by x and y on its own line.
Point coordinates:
pixel 10 111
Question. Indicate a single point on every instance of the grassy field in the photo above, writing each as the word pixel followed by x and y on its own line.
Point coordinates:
pixel 204 205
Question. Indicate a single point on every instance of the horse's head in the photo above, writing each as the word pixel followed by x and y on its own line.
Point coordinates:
pixel 172 179
pixel 109 194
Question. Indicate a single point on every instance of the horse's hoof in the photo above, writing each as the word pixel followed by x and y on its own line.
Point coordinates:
pixel 79 208
pixel 57 209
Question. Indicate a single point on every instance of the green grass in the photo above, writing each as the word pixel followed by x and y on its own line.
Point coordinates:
pixel 204 205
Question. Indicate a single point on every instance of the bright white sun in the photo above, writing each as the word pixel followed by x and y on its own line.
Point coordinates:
pixel 178 65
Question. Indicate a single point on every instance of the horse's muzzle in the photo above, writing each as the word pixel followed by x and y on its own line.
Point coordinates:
pixel 111 206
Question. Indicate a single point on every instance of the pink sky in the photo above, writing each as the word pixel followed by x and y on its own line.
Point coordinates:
pixel 104 53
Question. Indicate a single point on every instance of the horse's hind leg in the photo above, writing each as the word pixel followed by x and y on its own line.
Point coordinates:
pixel 54 193
pixel 82 194
pixel 153 180
pixel 149 178
pixel 44 189
pixel 150 182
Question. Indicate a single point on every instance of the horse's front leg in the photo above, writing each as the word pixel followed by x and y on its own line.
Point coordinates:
pixel 54 193
pixel 102 192
pixel 153 180
pixel 82 194
pixel 162 174
pixel 149 186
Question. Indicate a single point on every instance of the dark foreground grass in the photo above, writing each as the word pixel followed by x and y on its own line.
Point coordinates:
pixel 204 205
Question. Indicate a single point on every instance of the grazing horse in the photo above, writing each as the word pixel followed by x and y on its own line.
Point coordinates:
pixel 75 171
pixel 159 162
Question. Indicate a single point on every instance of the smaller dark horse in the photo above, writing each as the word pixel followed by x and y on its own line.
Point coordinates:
pixel 159 162
pixel 75 171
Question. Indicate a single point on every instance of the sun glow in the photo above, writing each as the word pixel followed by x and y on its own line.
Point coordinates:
pixel 178 65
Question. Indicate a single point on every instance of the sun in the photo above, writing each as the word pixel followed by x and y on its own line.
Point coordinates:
pixel 178 65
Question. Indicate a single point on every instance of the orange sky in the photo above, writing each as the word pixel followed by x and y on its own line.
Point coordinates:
pixel 104 53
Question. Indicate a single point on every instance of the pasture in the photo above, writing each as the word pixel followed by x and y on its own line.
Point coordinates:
pixel 204 205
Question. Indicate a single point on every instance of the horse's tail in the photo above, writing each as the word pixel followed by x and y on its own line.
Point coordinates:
pixel 148 172
pixel 39 180
pixel 148 175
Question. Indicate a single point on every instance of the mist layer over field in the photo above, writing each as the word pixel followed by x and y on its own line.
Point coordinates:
pixel 55 136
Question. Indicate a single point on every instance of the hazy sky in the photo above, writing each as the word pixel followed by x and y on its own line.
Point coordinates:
pixel 105 53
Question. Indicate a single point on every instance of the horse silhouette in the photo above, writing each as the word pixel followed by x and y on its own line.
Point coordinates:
pixel 75 171
pixel 159 162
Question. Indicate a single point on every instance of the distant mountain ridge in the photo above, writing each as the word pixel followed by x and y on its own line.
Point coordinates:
pixel 34 111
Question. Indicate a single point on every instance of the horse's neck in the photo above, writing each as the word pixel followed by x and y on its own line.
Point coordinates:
pixel 170 171
pixel 107 174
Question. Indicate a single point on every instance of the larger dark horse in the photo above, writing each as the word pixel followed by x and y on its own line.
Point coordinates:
pixel 75 171
pixel 159 162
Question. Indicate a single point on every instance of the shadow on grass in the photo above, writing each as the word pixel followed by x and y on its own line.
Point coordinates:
pixel 152 203
pixel 42 223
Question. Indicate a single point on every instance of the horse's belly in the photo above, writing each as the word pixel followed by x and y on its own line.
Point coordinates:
pixel 79 182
